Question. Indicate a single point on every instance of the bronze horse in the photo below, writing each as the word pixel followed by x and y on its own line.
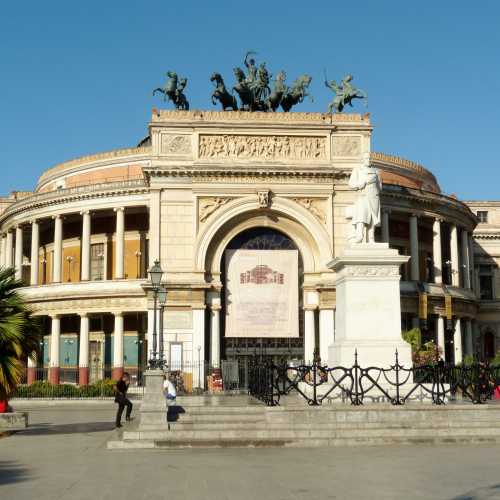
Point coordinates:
pixel 297 93
pixel 221 94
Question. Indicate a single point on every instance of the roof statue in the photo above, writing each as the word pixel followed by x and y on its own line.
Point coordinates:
pixel 254 91
pixel 174 91
pixel 345 93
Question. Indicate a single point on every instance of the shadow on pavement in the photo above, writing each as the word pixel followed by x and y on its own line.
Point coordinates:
pixel 74 428
pixel 485 493
pixel 12 472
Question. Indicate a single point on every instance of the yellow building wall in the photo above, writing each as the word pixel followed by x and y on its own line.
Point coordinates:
pixel 132 262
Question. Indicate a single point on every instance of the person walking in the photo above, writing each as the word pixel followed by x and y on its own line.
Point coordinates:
pixel 121 388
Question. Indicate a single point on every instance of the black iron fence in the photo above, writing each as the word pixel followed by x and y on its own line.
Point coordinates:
pixel 316 383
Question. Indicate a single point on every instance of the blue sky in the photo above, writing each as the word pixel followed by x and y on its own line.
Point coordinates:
pixel 76 77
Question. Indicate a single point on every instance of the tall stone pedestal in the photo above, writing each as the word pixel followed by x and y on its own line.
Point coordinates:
pixel 368 317
pixel 153 408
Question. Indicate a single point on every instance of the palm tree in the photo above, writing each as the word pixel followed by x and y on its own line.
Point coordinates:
pixel 20 333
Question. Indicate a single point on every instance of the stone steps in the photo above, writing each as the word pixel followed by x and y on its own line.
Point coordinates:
pixel 331 425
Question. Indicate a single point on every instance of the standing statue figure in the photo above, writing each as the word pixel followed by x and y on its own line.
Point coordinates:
pixel 174 91
pixel 252 69
pixel 345 93
pixel 365 213
pixel 244 90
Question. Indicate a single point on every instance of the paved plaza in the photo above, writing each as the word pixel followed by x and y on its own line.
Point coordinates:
pixel 63 455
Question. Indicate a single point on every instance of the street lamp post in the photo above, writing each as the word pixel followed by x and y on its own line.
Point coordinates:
pixel 155 274
pixel 162 297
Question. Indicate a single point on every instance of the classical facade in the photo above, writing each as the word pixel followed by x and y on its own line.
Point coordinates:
pixel 203 183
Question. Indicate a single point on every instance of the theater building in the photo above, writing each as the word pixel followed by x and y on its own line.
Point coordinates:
pixel 243 211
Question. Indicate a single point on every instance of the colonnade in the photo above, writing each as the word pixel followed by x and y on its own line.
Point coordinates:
pixel 83 350
pixel 11 251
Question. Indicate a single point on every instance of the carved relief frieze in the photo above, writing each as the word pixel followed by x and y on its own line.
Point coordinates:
pixel 371 271
pixel 207 206
pixel 175 144
pixel 346 145
pixel 263 178
pixel 313 206
pixel 262 147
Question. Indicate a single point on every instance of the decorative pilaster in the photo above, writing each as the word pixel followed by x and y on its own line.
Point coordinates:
pixel 465 258
pixel 54 350
pixel 457 342
pixel 18 264
pixel 86 231
pixel 455 275
pixel 472 264
pixel 437 258
pixel 117 371
pixel 215 335
pixel 35 244
pixel 83 357
pixel 440 337
pixel 58 236
pixel 326 332
pixel 309 335
pixel 198 350
pixel 3 248
pixel 154 227
pixel 414 261
pixel 120 243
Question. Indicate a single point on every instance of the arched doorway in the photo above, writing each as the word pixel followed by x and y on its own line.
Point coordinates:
pixel 236 351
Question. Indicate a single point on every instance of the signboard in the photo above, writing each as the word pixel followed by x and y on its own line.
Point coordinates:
pixel 262 295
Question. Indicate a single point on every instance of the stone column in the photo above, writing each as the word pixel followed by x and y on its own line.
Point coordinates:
pixel 117 371
pixel 57 258
pixel 457 341
pixel 326 332
pixel 469 341
pixel 471 264
pixel 465 258
pixel 309 336
pixel 54 350
pixel 385 227
pixel 414 262
pixel 83 357
pixel 455 275
pixel 440 336
pixel 215 335
pixel 437 259
pixel 120 243
pixel 154 227
pixel 31 372
pixel 9 244
pixel 18 264
pixel 35 244
pixel 86 230
pixel 3 247
pixel 198 351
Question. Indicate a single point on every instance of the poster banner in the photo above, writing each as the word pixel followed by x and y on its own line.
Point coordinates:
pixel 262 293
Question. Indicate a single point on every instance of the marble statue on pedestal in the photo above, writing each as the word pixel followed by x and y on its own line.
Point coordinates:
pixel 365 212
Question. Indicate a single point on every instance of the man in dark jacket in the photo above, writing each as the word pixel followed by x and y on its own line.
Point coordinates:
pixel 121 388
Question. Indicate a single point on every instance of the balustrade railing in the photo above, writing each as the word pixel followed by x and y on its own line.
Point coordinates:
pixel 316 383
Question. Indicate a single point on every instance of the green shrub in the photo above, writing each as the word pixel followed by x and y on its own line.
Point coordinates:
pixel 44 389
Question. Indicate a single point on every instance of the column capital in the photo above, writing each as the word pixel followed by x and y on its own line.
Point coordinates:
pixel 119 209
pixel 414 215
pixel 34 221
pixel 386 210
pixel 56 217
pixel 438 219
pixel 117 313
pixel 83 315
pixel 85 212
pixel 55 316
